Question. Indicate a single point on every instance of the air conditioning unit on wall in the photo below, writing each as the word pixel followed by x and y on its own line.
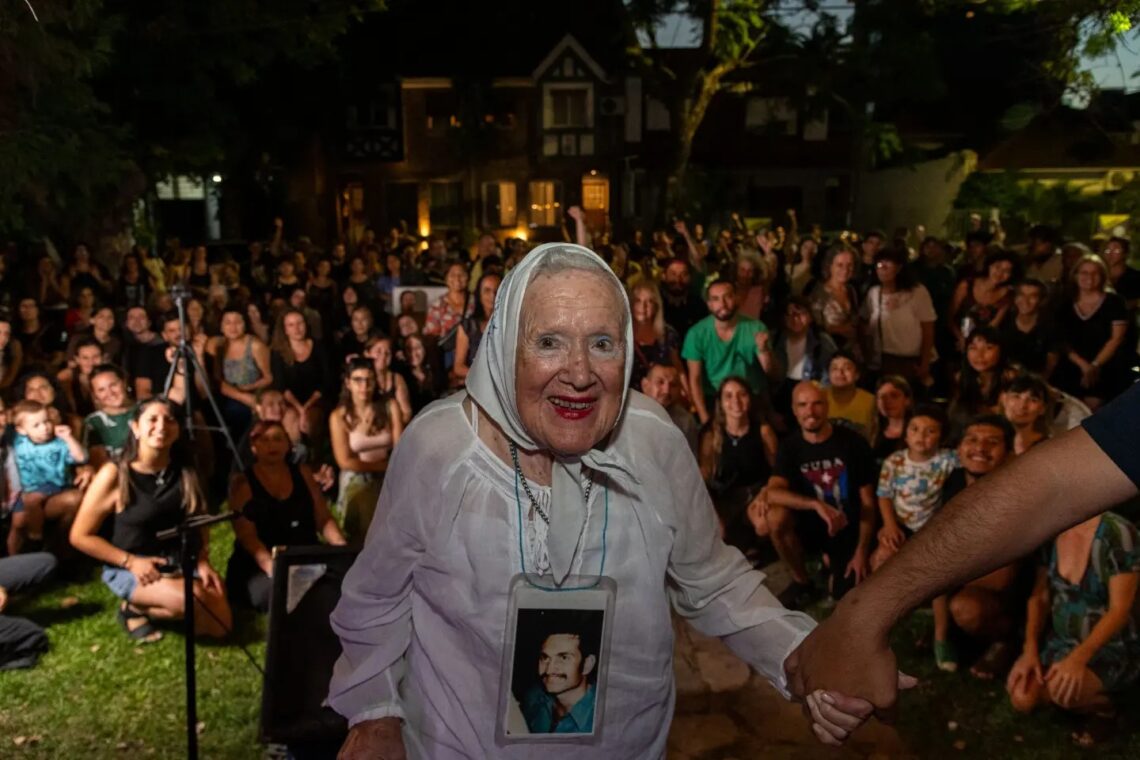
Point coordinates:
pixel 612 105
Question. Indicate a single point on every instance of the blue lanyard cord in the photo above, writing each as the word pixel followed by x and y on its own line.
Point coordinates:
pixel 522 555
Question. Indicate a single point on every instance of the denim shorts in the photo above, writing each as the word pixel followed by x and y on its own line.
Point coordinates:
pixel 120 580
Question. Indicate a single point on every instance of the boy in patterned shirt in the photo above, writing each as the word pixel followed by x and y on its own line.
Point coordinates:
pixel 909 493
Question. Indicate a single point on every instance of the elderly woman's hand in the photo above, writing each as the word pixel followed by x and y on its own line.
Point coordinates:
pixel 834 717
pixel 374 740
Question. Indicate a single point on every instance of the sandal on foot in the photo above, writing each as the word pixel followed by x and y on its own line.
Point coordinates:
pixel 143 633
pixel 995 661
pixel 945 657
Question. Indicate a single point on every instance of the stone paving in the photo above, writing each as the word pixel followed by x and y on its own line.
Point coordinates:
pixel 725 712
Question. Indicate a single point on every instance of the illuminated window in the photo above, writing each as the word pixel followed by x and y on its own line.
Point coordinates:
pixel 545 203
pixel 595 194
pixel 500 207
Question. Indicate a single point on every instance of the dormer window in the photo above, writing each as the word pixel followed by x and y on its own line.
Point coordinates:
pixel 568 106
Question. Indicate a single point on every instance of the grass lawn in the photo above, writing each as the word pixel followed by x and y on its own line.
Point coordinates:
pixel 96 695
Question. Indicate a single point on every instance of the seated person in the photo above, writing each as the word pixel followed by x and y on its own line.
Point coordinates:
pixel 1091 645
pixel 849 405
pixel 75 378
pixel 154 487
pixel 44 454
pixel 984 608
pixel 1024 402
pixel 737 451
pixel 910 492
pixel 894 400
pixel 22 641
pixel 278 504
pixel 821 497
pixel 105 430
pixel 1030 335
pixel 662 383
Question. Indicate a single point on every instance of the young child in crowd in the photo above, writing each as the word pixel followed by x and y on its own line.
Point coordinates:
pixel 44 455
pixel 848 404
pixel 909 492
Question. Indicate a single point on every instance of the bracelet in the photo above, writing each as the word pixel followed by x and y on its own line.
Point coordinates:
pixel 126 560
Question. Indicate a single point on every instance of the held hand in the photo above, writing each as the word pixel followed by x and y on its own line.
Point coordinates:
pixel 763 338
pixel 681 227
pixel 278 222
pixel 832 517
pixel 846 657
pixel 835 717
pixel 374 740
pixel 266 565
pixel 63 431
pixel 145 569
pixel 576 213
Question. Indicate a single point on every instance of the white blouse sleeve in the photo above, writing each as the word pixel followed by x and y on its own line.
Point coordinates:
pixel 716 589
pixel 374 616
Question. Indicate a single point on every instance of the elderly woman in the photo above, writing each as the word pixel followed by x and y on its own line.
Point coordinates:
pixel 547 467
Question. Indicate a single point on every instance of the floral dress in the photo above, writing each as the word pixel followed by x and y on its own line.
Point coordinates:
pixel 1077 608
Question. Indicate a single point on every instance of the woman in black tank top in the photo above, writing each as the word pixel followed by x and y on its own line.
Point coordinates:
pixel 736 455
pixel 279 505
pixel 152 488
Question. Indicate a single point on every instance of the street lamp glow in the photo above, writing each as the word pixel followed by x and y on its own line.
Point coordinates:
pixel 217 178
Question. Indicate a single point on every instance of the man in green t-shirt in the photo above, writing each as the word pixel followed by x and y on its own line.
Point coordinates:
pixel 725 344
pixel 105 430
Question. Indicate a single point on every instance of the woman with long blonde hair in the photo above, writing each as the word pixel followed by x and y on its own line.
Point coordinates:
pixel 654 341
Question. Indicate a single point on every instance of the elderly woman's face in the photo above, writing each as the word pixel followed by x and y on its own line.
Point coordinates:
pixel 570 363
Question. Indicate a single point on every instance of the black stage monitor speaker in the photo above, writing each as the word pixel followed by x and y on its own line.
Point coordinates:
pixel 302 647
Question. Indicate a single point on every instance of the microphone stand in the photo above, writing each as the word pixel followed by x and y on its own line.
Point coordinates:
pixel 187 359
pixel 188 531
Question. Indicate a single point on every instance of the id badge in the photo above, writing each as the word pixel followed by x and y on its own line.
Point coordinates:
pixel 552 683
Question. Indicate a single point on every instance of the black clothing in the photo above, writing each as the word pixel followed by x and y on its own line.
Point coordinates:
pixel 279 522
pixel 683 314
pixel 303 378
pixel 22 641
pixel 741 472
pixel 832 472
pixel 128 294
pixel 1029 349
pixel 1114 430
pixel 1086 337
pixel 152 507
pixel 883 446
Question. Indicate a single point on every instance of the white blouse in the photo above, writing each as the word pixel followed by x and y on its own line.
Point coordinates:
pixel 423 611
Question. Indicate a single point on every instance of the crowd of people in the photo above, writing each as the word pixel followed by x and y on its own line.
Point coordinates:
pixel 835 392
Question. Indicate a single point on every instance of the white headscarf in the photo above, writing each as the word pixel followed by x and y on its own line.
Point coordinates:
pixel 491 383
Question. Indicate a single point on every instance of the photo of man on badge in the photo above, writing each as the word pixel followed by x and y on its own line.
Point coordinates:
pixel 561 699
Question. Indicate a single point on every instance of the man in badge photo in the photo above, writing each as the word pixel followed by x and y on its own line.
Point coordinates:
pixel 562 700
